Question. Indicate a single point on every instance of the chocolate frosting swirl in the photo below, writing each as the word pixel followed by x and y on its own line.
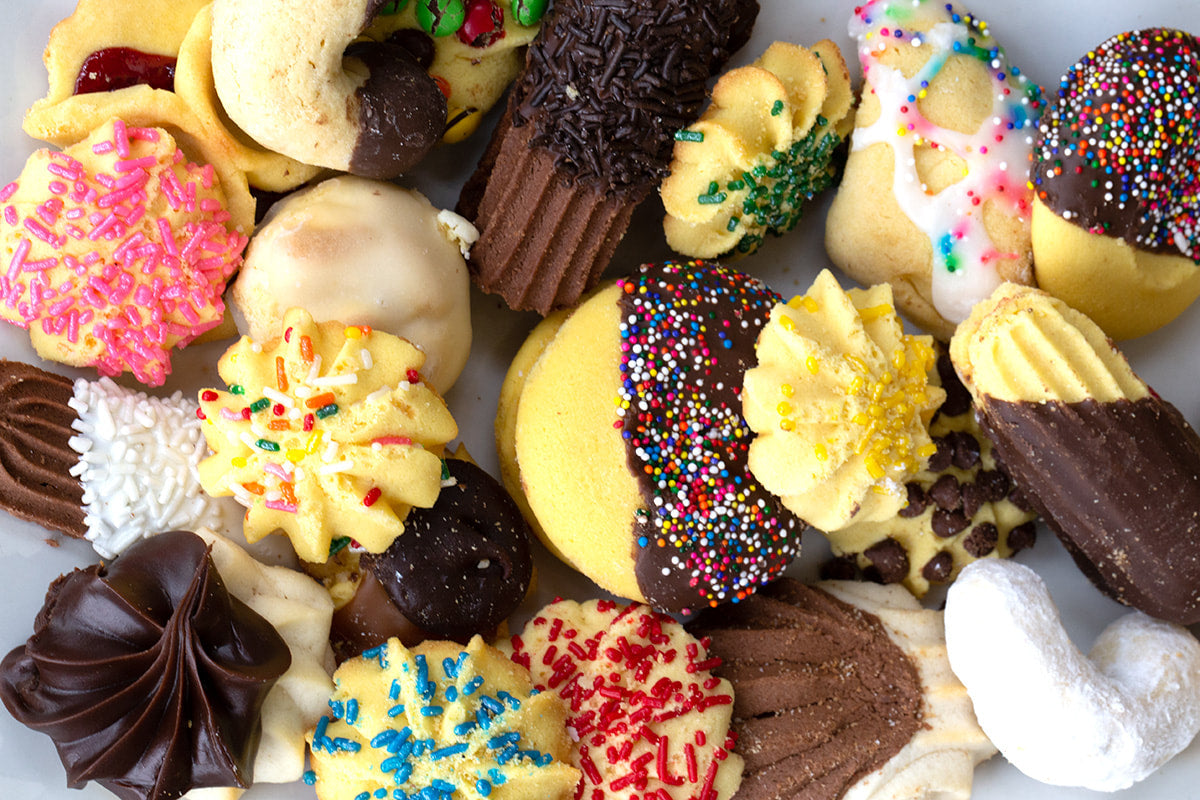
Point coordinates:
pixel 1119 483
pixel 607 85
pixel 147 674
pixel 822 695
pixel 35 457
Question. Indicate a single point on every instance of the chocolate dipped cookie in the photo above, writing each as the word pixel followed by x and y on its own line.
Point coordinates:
pixel 1112 467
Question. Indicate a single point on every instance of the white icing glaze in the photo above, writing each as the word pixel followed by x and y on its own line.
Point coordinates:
pixel 996 156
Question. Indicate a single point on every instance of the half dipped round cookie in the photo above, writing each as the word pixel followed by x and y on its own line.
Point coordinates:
pixel 621 428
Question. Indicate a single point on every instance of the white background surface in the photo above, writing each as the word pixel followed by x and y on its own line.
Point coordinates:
pixel 1042 37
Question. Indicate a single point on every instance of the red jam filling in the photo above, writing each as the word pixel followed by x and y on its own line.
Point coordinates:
pixel 115 68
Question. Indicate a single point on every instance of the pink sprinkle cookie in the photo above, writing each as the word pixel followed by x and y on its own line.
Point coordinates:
pixel 115 250
pixel 647 717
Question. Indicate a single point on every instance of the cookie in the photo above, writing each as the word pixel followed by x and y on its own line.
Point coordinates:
pixel 761 150
pixel 934 199
pixel 645 377
pixel 1115 230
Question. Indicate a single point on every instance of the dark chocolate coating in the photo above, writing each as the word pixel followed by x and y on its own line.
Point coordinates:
pixel 463 566
pixel 35 457
pixel 401 111
pixel 1120 484
pixel 147 674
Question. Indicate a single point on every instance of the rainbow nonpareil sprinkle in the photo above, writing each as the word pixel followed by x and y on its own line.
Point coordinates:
pixel 115 251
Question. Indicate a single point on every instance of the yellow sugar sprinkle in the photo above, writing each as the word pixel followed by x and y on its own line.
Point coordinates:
pixel 787 324
pixel 352 332
pixel 812 364
pixel 238 461
pixel 873 468
pixel 820 452
pixel 313 442
pixel 296 456
pixel 927 450
pixel 872 313
pixel 899 359
pixel 786 390
pixel 860 419
pixel 856 385
pixel 786 425
pixel 784 408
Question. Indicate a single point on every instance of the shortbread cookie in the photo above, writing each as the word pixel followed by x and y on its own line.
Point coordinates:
pixel 934 199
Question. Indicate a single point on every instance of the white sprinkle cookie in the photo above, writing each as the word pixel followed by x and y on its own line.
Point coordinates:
pixel 1102 722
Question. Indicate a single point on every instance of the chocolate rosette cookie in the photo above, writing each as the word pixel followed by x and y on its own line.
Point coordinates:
pixel 962 506
pixel 1112 467
pixel 147 674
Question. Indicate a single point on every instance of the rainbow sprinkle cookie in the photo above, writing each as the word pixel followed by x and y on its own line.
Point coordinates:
pixel 439 722
pixel 115 250
pixel 326 432
pixel 647 716
pixel 841 402
pixel 935 197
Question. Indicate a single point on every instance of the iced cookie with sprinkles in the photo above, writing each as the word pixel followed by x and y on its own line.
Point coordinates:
pixel 326 432
pixel 935 197
pixel 440 721
pixel 1115 228
pixel 645 377
pixel 762 149
pixel 646 714
pixel 840 400
pixel 117 251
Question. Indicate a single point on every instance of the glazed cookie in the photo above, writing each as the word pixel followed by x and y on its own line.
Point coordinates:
pixel 327 431
pixel 588 137
pixel 187 696
pixel 472 48
pixel 149 62
pixel 1115 229
pixel 934 199
pixel 460 569
pixel 369 253
pixel 1102 722
pixel 840 402
pixel 118 250
pixel 761 150
pixel 645 712
pixel 843 690
pixel 439 720
pixel 1111 466
pixel 295 78
pixel 645 377
pixel 961 507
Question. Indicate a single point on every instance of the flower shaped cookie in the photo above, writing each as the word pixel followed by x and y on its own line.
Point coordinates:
pixel 760 151
pixel 326 432
pixel 841 403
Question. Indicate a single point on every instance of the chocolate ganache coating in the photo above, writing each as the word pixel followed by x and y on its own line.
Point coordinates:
pixel 1120 485
pixel 35 457
pixel 461 567
pixel 822 695
pixel 607 85
pixel 146 673
pixel 711 532
pixel 1117 153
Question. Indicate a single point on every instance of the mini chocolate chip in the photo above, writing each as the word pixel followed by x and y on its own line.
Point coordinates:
pixel 841 568
pixel 958 399
pixel 1022 536
pixel 415 42
pixel 981 540
pixel 947 523
pixel 966 449
pixel 940 461
pixel 1017 498
pixel 973 498
pixel 938 568
pixel 917 501
pixel 946 494
pixel 889 562
pixel 994 483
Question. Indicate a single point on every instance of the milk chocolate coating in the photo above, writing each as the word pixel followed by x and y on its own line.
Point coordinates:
pixel 463 566
pixel 1120 484
pixel 822 695
pixel 147 674
pixel 35 426
pixel 402 112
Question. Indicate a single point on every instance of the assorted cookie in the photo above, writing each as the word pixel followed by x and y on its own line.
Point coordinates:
pixel 668 435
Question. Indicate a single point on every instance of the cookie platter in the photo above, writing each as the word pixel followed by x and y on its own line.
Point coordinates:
pixel 1043 39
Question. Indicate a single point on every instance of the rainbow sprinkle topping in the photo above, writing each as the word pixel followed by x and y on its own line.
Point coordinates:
pixel 117 250
pixel 712 534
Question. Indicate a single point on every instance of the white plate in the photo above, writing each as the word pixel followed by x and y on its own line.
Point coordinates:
pixel 1043 38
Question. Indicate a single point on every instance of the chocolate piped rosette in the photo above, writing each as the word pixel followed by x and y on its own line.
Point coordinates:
pixel 1112 467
